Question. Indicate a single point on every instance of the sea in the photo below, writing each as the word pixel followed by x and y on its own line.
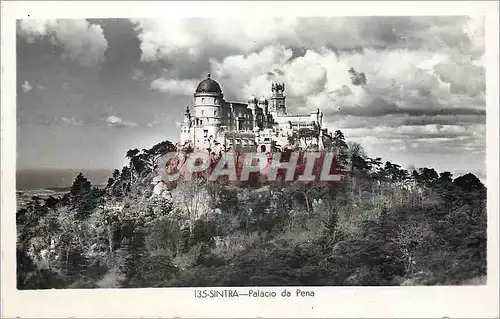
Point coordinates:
pixel 44 183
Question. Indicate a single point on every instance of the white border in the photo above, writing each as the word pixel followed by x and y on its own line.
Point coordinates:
pixel 329 301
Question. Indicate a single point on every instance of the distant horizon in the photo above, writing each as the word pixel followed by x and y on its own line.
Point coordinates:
pixel 99 176
pixel 40 178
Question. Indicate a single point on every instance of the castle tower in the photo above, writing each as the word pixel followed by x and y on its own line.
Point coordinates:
pixel 208 99
pixel 264 105
pixel 208 103
pixel 187 116
pixel 252 106
pixel 277 101
pixel 186 127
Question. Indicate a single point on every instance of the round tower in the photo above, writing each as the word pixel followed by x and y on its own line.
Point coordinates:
pixel 208 101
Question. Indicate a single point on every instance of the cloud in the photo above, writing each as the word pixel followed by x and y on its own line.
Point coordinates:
pixel 81 41
pixel 26 86
pixel 400 119
pixel 428 138
pixel 139 75
pixel 409 63
pixel 414 83
pixel 243 76
pixel 115 121
pixel 475 31
pixel 71 121
pixel 162 38
pixel 153 124
pixel 400 80
pixel 180 87
pixel 446 146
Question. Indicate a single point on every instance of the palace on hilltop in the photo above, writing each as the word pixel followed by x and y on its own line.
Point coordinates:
pixel 263 125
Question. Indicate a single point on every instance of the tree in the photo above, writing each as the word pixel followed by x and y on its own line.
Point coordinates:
pixel 110 182
pixel 445 177
pixel 469 183
pixel 51 202
pixel 132 153
pixel 125 177
pixel 341 146
pixel 358 159
pixel 426 176
pixel 135 162
pixel 162 148
pixel 411 239
pixel 201 232
pixel 81 186
pixel 164 236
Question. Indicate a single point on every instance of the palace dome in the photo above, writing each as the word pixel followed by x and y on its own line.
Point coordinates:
pixel 208 86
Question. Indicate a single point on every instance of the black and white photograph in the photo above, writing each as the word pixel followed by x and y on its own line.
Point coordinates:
pixel 237 155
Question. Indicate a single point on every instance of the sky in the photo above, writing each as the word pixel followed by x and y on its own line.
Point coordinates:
pixel 90 89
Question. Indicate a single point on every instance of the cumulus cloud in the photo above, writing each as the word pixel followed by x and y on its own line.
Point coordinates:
pixel 160 39
pixel 398 62
pixel 26 86
pixel 384 80
pixel 180 87
pixel 245 75
pixel 115 121
pixel 400 79
pixel 80 41
pixel 475 31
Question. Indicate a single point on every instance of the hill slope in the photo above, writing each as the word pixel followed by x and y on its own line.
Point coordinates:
pixel 381 225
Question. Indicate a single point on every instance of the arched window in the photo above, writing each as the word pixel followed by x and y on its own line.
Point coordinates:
pixel 215 113
pixel 202 100
pixel 202 112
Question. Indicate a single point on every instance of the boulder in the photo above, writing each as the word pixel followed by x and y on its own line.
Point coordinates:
pixel 159 188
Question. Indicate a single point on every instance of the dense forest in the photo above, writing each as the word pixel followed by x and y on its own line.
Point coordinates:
pixel 381 225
